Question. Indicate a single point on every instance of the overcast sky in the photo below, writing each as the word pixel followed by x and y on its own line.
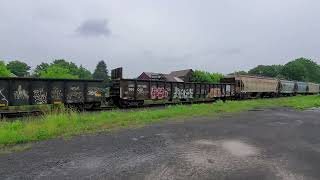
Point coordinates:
pixel 160 35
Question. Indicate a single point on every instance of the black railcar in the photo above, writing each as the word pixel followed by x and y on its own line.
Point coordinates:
pixel 18 93
pixel 133 92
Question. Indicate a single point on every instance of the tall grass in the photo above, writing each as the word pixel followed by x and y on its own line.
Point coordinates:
pixel 64 123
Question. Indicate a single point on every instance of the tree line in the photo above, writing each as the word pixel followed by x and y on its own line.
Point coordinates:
pixel 59 68
pixel 301 69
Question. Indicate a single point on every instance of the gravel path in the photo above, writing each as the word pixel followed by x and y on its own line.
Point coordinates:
pixel 273 144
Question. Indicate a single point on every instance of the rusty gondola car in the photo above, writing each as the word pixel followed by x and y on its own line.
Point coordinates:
pixel 21 95
pixel 133 92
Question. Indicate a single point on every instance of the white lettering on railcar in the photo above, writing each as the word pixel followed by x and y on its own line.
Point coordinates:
pixel 183 93
pixel 40 96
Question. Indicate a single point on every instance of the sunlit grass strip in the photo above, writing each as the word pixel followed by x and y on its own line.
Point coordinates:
pixel 71 123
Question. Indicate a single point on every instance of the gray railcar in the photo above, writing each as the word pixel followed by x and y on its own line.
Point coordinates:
pixel 287 87
pixel 302 88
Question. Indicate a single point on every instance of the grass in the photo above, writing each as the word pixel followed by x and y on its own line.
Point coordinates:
pixel 66 124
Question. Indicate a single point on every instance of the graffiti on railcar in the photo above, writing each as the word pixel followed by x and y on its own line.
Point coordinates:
pixel 131 87
pixel 20 94
pixel 3 99
pixel 142 90
pixel 94 91
pixel 40 96
pixel 182 93
pixel 56 93
pixel 214 92
pixel 75 94
pixel 159 92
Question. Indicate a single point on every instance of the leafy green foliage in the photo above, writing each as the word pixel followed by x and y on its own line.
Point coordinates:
pixel 269 71
pixel 101 71
pixel 4 72
pixel 40 68
pixel 19 68
pixel 239 73
pixel 302 69
pixel 62 69
pixel 203 76
pixel 56 71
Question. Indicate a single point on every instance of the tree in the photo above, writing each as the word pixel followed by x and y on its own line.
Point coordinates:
pixel 4 72
pixel 56 71
pixel 83 73
pixel 269 71
pixel 302 69
pixel 101 71
pixel 19 68
pixel 40 68
pixel 73 69
pixel 239 73
pixel 203 76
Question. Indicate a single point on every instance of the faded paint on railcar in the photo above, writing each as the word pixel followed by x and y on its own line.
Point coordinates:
pixel 4 93
pixel 313 88
pixel 95 92
pixel 39 92
pixel 287 87
pixel 246 85
pixel 74 92
pixel 256 84
pixel 302 87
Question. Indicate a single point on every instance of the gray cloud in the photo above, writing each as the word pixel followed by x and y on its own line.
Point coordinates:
pixel 216 36
pixel 94 27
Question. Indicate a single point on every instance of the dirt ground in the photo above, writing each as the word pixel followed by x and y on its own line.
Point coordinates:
pixel 272 144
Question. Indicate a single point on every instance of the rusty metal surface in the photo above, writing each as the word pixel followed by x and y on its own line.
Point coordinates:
pixel 132 89
pixel 32 91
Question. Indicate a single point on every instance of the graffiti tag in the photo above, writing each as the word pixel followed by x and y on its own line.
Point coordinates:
pixel 94 91
pixel 75 93
pixel 40 96
pixel 183 93
pixel 20 94
pixel 56 93
pixel 3 98
pixel 214 92
pixel 159 92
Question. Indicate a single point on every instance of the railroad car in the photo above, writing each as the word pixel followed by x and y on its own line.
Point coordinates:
pixel 302 88
pixel 287 88
pixel 133 92
pixel 252 86
pixel 313 88
pixel 23 95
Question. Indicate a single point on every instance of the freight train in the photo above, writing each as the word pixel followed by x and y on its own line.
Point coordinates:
pixel 25 95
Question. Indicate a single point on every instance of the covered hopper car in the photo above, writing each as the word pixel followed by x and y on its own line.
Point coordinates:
pixel 313 88
pixel 252 86
pixel 287 88
pixel 302 88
